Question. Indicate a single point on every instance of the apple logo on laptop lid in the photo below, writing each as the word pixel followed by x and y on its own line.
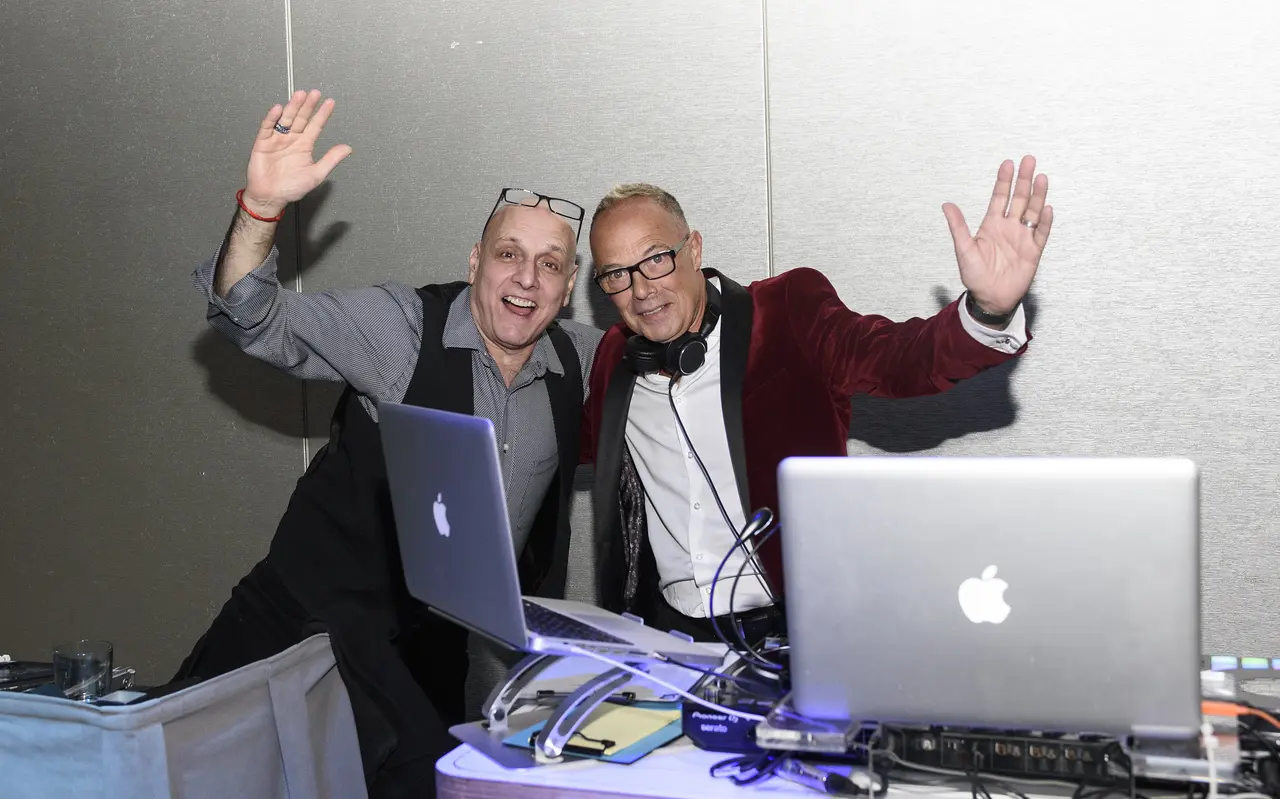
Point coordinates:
pixel 441 513
pixel 982 598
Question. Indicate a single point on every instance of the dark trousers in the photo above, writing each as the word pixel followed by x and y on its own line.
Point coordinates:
pixel 403 694
pixel 756 624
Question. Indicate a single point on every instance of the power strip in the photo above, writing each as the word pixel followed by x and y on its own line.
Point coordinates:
pixel 1071 759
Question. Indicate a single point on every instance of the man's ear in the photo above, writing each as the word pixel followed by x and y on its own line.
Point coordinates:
pixel 695 250
pixel 474 262
pixel 568 294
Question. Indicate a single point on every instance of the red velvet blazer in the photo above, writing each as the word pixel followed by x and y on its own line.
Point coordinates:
pixel 792 356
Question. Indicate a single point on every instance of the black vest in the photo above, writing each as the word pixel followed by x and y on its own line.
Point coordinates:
pixel 336 544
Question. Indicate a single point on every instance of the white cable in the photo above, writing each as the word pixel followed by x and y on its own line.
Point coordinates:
pixel 662 683
pixel 1210 746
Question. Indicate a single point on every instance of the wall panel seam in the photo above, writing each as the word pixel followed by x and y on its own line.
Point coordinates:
pixel 297 223
pixel 768 141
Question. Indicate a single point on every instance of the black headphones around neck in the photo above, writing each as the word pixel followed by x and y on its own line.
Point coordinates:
pixel 683 356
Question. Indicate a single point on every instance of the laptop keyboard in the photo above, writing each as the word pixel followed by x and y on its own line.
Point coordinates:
pixel 548 623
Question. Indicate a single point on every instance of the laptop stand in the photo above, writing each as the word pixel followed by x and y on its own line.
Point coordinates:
pixel 569 713
pixel 560 721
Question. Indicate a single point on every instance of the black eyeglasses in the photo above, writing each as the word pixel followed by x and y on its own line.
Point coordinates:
pixel 659 264
pixel 530 199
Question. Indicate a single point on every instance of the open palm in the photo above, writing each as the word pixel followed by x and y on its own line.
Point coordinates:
pixel 281 166
pixel 999 263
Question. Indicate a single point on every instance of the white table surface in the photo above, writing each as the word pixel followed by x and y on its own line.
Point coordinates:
pixel 678 770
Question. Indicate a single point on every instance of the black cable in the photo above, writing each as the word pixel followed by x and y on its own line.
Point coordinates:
pixel 758 690
pixel 733 589
pixel 761 767
pixel 1262 739
pixel 739 534
pixel 605 743
pixel 743 651
pixel 1127 784
pixel 739 650
pixel 742 538
pixel 971 772
pixel 1265 770
pixel 755 768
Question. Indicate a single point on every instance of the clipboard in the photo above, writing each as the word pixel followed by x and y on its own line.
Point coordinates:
pixel 616 733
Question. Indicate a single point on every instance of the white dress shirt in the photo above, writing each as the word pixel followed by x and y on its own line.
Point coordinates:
pixel 687 531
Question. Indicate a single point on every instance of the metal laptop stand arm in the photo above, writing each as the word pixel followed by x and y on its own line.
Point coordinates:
pixel 570 712
pixel 574 709
pixel 504 696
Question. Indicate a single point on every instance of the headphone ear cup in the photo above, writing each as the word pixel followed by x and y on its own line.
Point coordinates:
pixel 689 357
pixel 643 356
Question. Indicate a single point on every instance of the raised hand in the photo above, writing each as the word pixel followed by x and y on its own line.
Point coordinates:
pixel 281 167
pixel 998 264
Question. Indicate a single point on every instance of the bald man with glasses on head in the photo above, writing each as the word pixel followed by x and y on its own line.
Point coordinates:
pixel 489 346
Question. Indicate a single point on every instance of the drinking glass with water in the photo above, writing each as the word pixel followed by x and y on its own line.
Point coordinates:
pixel 82 669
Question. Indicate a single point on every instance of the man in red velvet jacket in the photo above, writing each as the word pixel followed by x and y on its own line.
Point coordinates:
pixel 706 386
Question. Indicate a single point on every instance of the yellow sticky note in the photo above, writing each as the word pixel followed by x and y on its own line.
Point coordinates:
pixel 622 724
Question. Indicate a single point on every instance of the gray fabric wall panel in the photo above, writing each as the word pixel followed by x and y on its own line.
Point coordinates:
pixel 445 104
pixel 1156 307
pixel 145 462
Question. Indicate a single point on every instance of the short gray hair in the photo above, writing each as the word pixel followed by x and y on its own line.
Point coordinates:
pixel 625 191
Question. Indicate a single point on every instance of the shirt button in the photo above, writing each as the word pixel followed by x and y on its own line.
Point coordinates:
pixel 697 506
pixel 706 591
pixel 506 447
pixel 689 455
pixel 698 556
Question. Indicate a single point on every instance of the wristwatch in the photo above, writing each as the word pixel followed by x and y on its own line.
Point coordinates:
pixel 984 317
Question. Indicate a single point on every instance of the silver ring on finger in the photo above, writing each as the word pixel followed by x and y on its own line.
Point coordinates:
pixel 281 128
pixel 1029 223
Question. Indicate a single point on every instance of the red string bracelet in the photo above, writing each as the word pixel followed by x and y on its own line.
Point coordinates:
pixel 245 208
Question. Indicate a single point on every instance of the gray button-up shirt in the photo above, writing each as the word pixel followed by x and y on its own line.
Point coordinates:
pixel 370 337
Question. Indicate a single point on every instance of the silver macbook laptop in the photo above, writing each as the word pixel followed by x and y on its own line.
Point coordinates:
pixel 1048 594
pixel 457 552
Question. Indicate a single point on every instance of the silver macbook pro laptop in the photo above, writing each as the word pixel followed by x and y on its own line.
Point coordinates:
pixel 457 552
pixel 1048 594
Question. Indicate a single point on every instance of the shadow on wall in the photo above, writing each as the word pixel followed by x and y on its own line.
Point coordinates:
pixel 602 313
pixel 984 402
pixel 258 392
